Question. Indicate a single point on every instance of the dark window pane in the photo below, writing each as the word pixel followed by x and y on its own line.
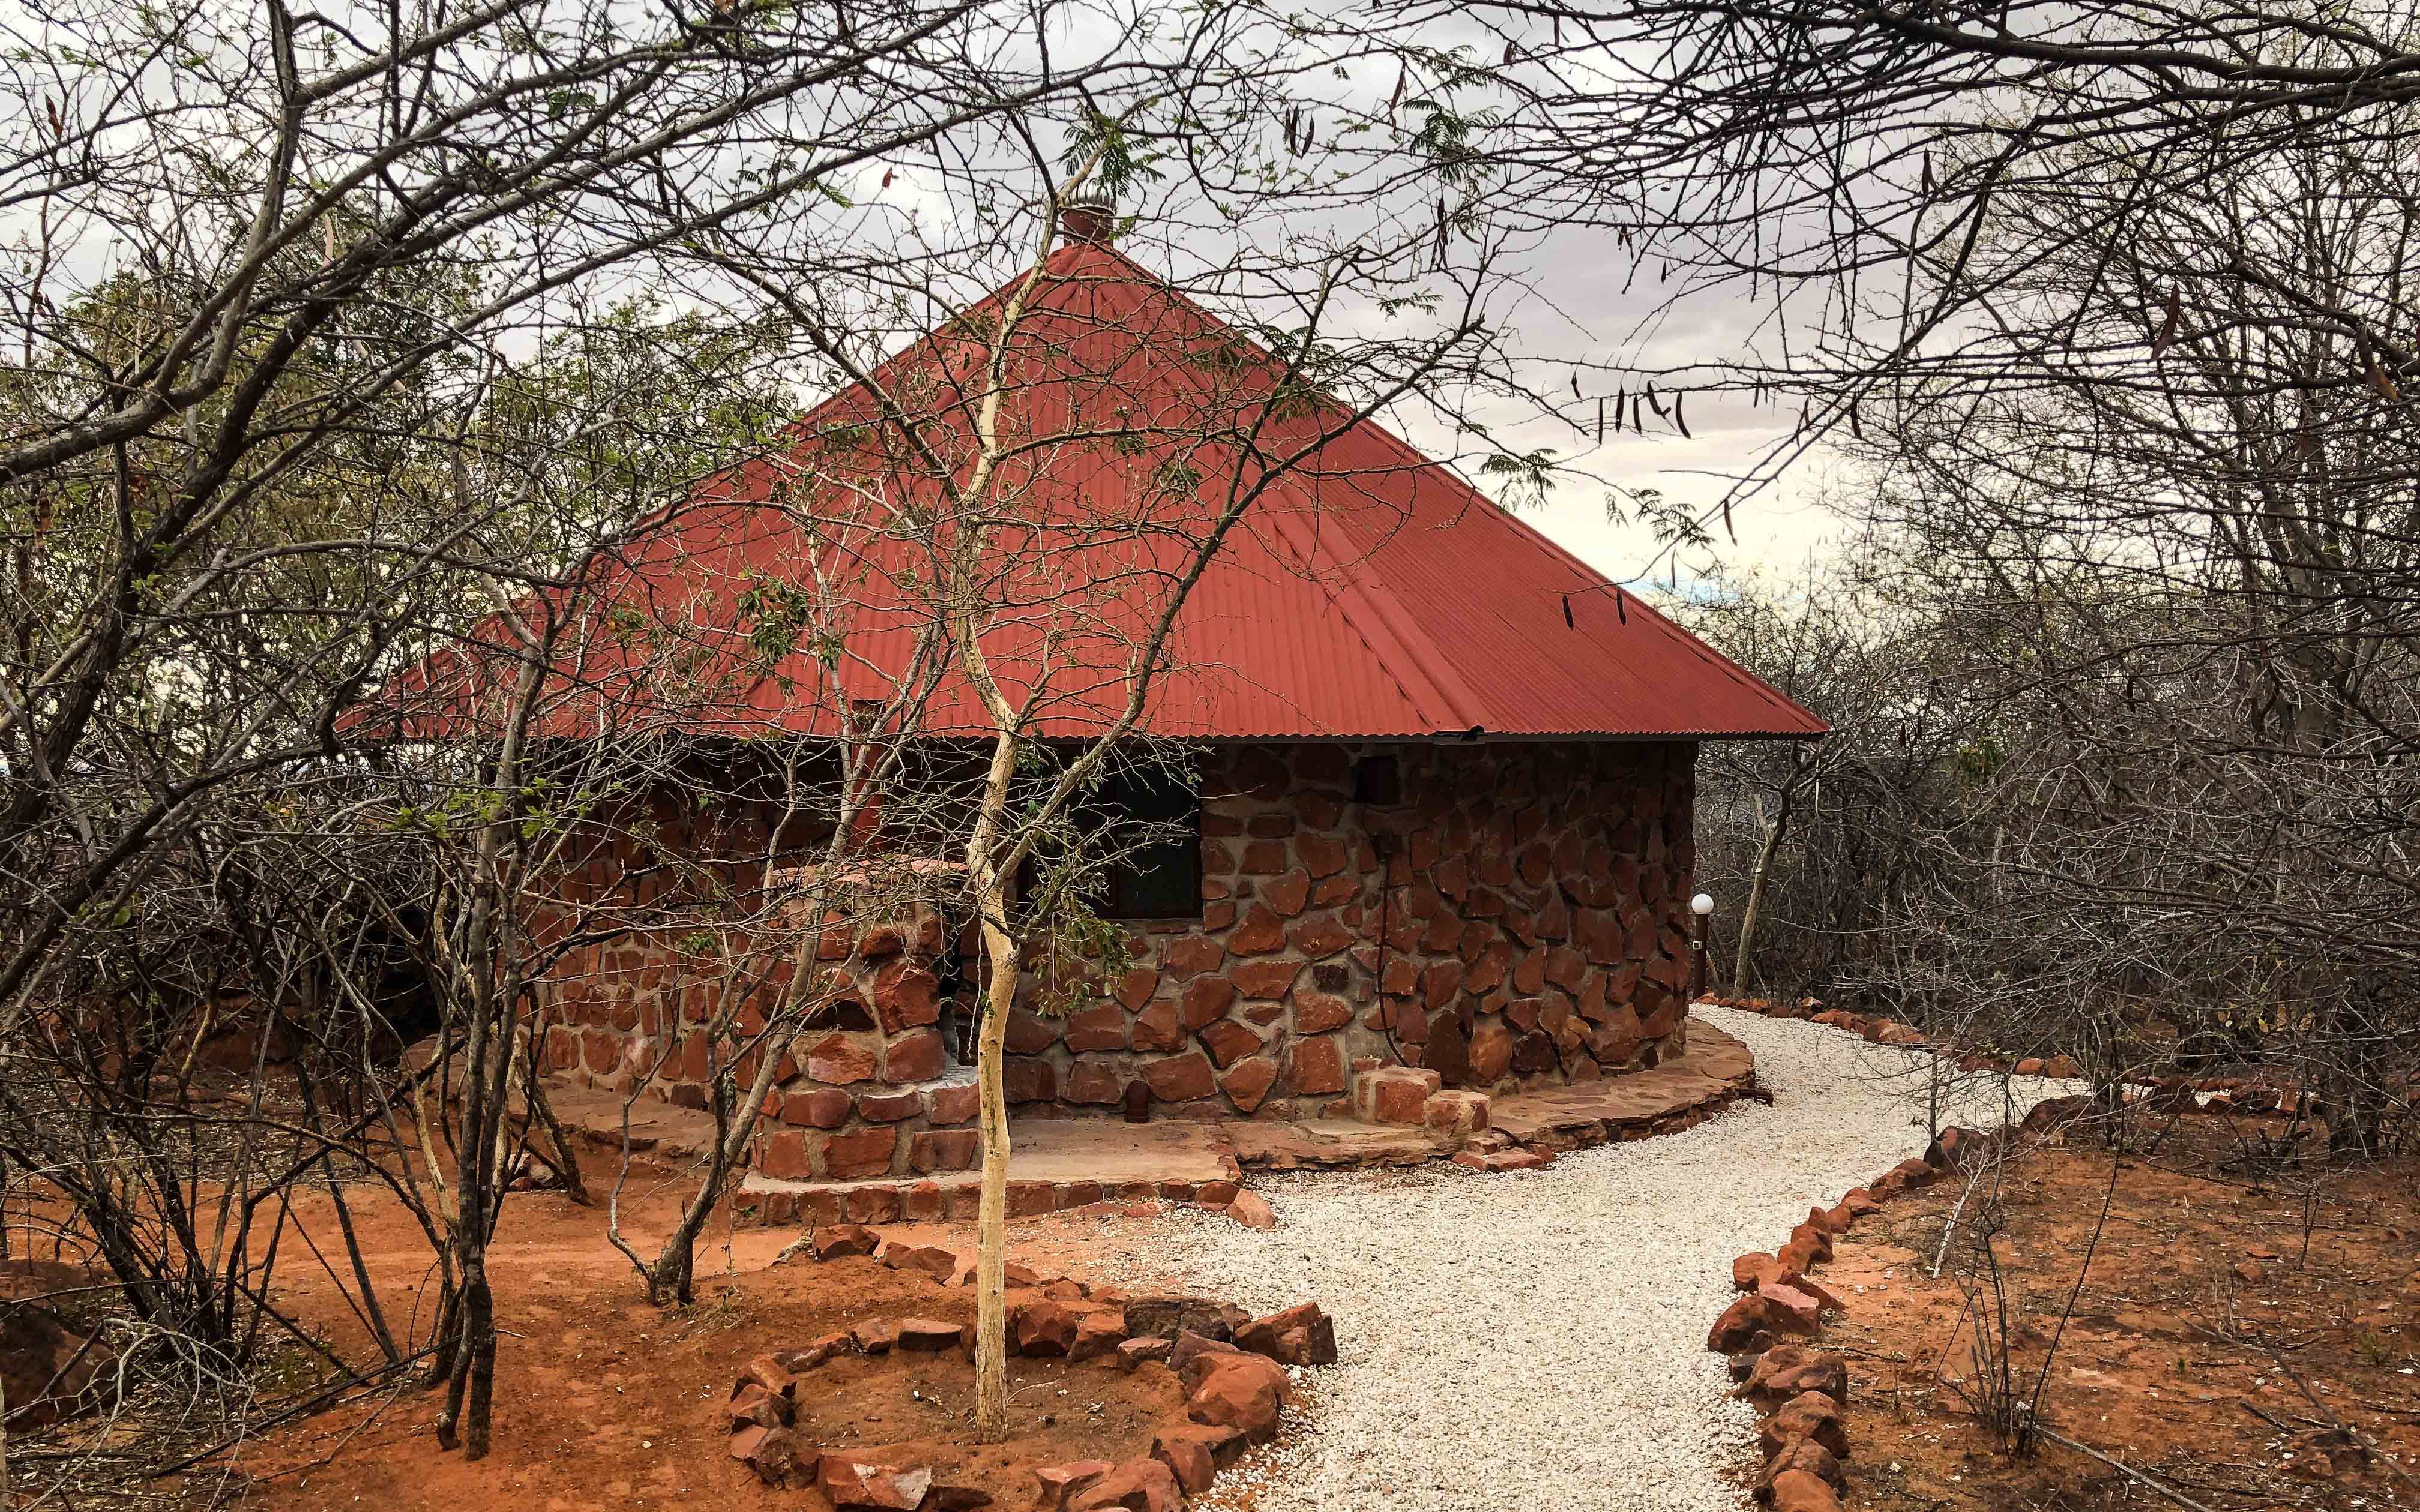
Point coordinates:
pixel 1377 781
pixel 1163 879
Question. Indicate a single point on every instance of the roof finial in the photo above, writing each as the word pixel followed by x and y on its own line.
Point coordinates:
pixel 1088 214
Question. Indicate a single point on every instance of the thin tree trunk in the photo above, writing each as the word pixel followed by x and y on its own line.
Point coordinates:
pixel 991 1265
pixel 1764 854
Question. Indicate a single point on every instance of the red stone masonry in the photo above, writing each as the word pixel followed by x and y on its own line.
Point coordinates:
pixel 1526 926
pixel 1517 920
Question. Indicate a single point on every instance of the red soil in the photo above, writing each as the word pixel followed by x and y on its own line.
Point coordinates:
pixel 604 1400
pixel 2210 1347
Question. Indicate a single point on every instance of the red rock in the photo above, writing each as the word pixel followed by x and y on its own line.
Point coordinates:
pixel 1317 1014
pixel 1093 1082
pixel 1243 1391
pixel 1322 855
pixel 1158 1028
pixel 1795 1491
pixel 1259 932
pixel 841 1059
pixel 1061 1327
pixel 918 1056
pixel 1135 1353
pixel 1135 987
pixel 875 1335
pixel 1229 1041
pixel 1180 1078
pixel 933 1260
pixel 1137 1486
pixel 946 1149
pixel 824 1107
pixel 1801 1455
pixel 2030 1066
pixel 1098 1331
pixel 1751 1268
pixel 1191 955
pixel 1490 1052
pixel 1288 893
pixel 1457 1112
pixel 849 1482
pixel 1790 1307
pixel 1318 1065
pixel 859 1154
pixel 1319 937
pixel 890 1108
pixel 1814 1236
pixel 752 1404
pixel 1786 1370
pixel 1264 979
pixel 1101 1026
pixel 1247 1082
pixel 1206 1001
pixel 1061 1482
pixel 1192 1451
pixel 776 1454
pixel 841 1241
pixel 1252 1211
pixel 904 997
pixel 1913 1175
pixel 1739 1324
pixel 1956 1149
pixel 799 1362
pixel 1301 1334
pixel 1807 1416
pixel 1030 1033
pixel 928 1334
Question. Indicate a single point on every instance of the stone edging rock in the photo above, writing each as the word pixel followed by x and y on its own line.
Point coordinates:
pixel 1805 1437
pixel 2226 1095
pixel 1233 1366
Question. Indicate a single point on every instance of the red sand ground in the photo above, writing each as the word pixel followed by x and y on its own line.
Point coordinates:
pixel 2163 1363
pixel 603 1400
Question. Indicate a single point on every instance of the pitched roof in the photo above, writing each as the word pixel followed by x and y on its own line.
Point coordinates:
pixel 1365 592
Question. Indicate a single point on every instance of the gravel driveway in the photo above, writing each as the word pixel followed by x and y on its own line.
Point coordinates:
pixel 1537 1339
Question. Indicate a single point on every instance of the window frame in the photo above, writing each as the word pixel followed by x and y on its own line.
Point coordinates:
pixel 1122 810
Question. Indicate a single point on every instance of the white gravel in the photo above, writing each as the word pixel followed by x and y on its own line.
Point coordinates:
pixel 1538 1338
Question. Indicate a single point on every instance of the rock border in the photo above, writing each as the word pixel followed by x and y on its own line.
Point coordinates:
pixel 2226 1096
pixel 1233 1367
pixel 1805 1390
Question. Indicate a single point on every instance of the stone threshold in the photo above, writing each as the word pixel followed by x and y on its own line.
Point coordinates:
pixel 1057 1164
pixel 1053 1163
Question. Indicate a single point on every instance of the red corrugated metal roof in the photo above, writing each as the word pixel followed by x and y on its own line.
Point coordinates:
pixel 1367 593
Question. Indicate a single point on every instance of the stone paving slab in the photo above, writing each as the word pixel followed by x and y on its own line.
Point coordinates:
pixel 1332 1142
pixel 1052 1163
pixel 1714 1069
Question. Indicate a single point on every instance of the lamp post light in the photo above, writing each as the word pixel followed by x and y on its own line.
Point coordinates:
pixel 1700 907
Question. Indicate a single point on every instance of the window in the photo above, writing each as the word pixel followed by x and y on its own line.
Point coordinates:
pixel 1160 880
pixel 1377 781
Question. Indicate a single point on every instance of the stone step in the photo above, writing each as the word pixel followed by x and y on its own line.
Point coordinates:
pixel 1053 1163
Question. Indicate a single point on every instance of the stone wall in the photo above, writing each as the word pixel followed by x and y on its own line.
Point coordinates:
pixel 1518 918
pixel 1526 924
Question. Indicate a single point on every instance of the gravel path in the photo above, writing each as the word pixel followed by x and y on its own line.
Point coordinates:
pixel 1537 1339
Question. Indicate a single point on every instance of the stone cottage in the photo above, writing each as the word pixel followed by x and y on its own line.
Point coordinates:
pixel 1443 816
